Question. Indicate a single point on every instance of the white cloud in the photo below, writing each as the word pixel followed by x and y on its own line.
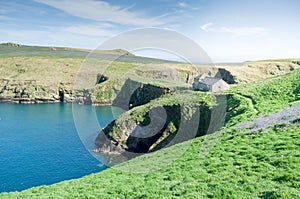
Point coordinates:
pixel 182 5
pixel 90 30
pixel 236 31
pixel 104 11
pixel 207 27
pixel 185 6
pixel 245 31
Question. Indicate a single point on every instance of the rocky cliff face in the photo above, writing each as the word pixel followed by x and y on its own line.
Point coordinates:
pixel 226 76
pixel 159 124
pixel 134 93
pixel 29 91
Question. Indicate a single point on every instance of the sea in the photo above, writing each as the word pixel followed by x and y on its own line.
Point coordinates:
pixel 42 144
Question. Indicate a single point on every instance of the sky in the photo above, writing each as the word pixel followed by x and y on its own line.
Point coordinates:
pixel 228 30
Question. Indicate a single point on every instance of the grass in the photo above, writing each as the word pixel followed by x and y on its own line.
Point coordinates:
pixel 46 71
pixel 13 50
pixel 271 94
pixel 277 60
pixel 260 70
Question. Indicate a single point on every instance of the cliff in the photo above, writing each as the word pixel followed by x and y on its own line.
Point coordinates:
pixel 183 115
pixel 29 92
pixel 162 122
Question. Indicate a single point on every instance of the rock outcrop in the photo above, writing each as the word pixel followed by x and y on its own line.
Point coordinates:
pixel 158 124
pixel 29 91
pixel 11 44
pixel 134 93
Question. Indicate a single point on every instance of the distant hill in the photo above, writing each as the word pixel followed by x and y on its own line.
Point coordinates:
pixel 29 73
pixel 11 44
pixel 13 49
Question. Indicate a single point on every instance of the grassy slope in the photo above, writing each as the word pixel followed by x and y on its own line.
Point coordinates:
pixel 259 70
pixel 47 66
pixel 50 71
pixel 257 165
pixel 17 50
pixel 52 66
pixel 262 97
pixel 59 67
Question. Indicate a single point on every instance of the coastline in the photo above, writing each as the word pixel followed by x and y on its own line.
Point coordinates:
pixel 50 101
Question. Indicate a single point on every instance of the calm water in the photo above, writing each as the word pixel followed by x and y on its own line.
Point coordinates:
pixel 39 144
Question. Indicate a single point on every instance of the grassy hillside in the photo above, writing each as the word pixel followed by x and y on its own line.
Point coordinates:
pixel 18 50
pixel 259 159
pixel 50 66
pixel 262 97
pixel 259 70
pixel 55 69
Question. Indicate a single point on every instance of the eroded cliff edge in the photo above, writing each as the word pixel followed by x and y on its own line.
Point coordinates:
pixel 163 122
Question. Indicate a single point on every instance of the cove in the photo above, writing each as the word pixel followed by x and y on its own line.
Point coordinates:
pixel 39 144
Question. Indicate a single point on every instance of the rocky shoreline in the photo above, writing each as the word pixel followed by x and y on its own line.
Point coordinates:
pixel 48 101
pixel 26 101
pixel 30 92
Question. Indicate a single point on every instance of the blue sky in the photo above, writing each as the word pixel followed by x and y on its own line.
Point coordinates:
pixel 228 30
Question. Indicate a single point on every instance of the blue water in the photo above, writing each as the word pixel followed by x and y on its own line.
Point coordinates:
pixel 39 144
